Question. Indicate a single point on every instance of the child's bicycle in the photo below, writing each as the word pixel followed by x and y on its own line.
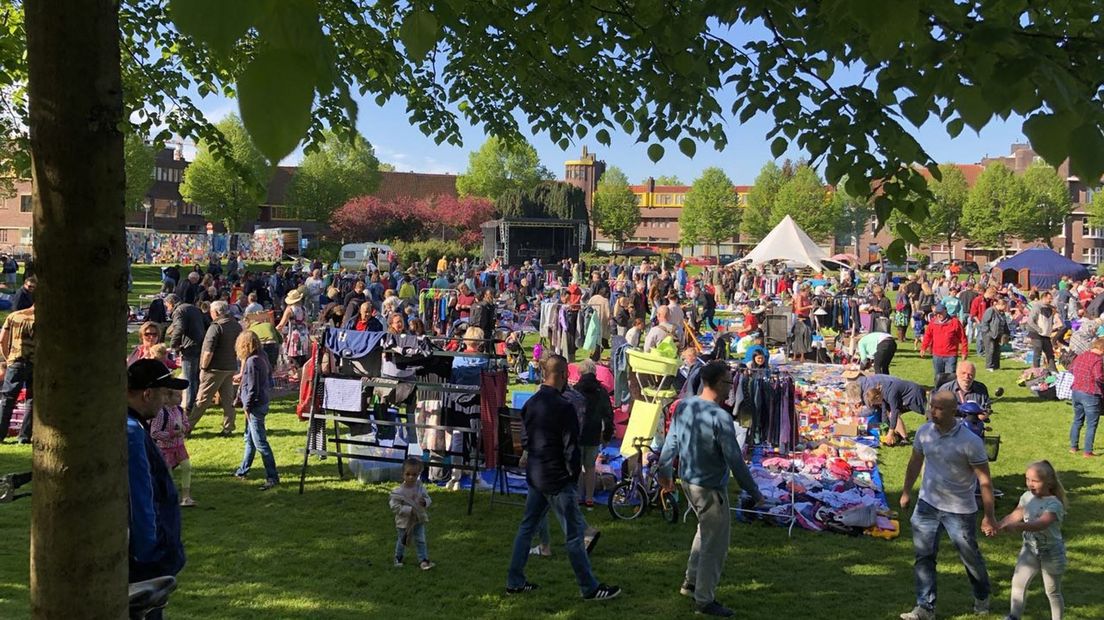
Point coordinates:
pixel 633 495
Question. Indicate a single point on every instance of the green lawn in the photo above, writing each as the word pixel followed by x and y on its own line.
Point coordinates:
pixel 327 554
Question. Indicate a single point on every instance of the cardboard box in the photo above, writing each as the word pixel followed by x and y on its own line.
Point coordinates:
pixel 845 430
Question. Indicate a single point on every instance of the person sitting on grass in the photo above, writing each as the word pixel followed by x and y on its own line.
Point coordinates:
pixel 410 501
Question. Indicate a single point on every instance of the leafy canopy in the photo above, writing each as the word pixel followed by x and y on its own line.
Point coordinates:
pixel 227 189
pixel 841 79
pixel 499 166
pixel 1048 204
pixel 711 213
pixel 140 158
pixel 805 198
pixel 994 205
pixel 758 214
pixel 616 211
pixel 341 168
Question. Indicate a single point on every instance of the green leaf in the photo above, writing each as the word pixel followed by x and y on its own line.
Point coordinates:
pixel 655 152
pixel 915 110
pixel 418 33
pixel 215 22
pixel 896 251
pixel 603 137
pixel 907 233
pixel 1050 135
pixel 778 147
pixel 275 94
pixel 688 147
pixel 1086 151
pixel 971 107
pixel 954 127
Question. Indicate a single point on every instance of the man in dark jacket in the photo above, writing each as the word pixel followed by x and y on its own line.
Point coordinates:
pixel 186 338
pixel 188 289
pixel 155 546
pixel 24 297
pixel 217 366
pixel 551 441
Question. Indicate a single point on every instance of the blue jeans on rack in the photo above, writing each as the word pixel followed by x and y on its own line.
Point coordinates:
pixel 566 504
pixel 928 524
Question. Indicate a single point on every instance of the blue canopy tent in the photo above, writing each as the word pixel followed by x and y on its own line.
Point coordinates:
pixel 1043 267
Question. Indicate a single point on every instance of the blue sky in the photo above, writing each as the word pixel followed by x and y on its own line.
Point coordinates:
pixel 398 142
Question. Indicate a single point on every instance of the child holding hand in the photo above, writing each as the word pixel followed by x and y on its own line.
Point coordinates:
pixel 1039 516
pixel 409 501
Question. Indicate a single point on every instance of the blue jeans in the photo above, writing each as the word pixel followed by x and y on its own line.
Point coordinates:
pixel 944 365
pixel 256 440
pixel 1086 411
pixel 571 521
pixel 417 534
pixel 190 367
pixel 928 523
pixel 20 375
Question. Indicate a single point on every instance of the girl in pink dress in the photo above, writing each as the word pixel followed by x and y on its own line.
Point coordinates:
pixel 168 429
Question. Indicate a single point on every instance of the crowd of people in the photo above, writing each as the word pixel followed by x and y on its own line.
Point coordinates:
pixel 228 331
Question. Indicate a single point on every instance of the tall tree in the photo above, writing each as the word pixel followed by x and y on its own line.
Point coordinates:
pixel 667 179
pixel 758 215
pixel 228 188
pixel 994 205
pixel 140 157
pixel 499 166
pixel 1095 208
pixel 855 213
pixel 616 211
pixel 551 199
pixel 939 220
pixel 341 168
pixel 1048 203
pixel 805 198
pixel 78 564
pixel 711 213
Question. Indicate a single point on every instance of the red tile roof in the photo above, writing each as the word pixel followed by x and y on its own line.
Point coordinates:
pixel 415 185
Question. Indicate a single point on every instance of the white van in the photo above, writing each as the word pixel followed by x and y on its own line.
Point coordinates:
pixel 355 255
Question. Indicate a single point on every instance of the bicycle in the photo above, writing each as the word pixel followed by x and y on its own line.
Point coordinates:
pixel 634 495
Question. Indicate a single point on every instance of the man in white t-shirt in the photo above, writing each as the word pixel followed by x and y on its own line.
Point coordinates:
pixel 955 464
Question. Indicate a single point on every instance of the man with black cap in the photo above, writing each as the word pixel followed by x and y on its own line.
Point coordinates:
pixel 155 546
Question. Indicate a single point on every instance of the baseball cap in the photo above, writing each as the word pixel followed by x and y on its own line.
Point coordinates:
pixel 940 308
pixel 148 373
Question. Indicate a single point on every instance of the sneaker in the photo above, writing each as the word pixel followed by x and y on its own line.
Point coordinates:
pixel 918 613
pixel 398 562
pixel 482 485
pixel 426 565
pixel 268 484
pixel 713 608
pixel 522 589
pixel 603 593
pixel 1089 455
pixel 687 589
pixel 7 489
pixel 981 606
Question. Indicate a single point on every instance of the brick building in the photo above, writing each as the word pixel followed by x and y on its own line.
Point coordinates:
pixel 1077 240
pixel 168 212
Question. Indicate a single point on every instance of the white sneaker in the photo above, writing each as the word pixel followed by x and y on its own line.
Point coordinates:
pixel 918 613
pixel 981 606
pixel 482 485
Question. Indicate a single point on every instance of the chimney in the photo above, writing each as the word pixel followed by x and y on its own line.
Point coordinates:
pixel 650 185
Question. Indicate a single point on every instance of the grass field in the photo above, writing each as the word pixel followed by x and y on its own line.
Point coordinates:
pixel 327 553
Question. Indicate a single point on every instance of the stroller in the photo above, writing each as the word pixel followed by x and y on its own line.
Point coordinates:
pixel 513 341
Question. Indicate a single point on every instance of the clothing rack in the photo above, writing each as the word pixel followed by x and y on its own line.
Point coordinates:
pixel 471 460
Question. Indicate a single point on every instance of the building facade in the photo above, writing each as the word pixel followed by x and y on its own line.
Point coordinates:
pixel 1077 240
pixel 165 210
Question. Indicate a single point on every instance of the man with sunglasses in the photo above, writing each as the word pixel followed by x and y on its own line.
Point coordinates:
pixel 155 546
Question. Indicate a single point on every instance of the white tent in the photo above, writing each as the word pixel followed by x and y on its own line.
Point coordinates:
pixel 787 242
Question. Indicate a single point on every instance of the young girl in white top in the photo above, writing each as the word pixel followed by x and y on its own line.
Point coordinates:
pixel 1039 516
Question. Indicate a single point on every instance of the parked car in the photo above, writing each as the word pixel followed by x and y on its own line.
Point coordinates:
pixel 727 258
pixel 968 266
pixel 911 265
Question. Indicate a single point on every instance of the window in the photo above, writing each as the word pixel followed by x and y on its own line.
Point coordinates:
pixel 665 199
pixel 26 236
pixel 680 199
pixel 3 235
pixel 1092 256
pixel 187 208
pixel 26 203
pixel 1091 232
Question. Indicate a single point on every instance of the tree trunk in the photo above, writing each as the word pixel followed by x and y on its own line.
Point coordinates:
pixel 80 500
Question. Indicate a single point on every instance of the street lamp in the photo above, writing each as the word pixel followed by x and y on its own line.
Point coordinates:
pixel 146 206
